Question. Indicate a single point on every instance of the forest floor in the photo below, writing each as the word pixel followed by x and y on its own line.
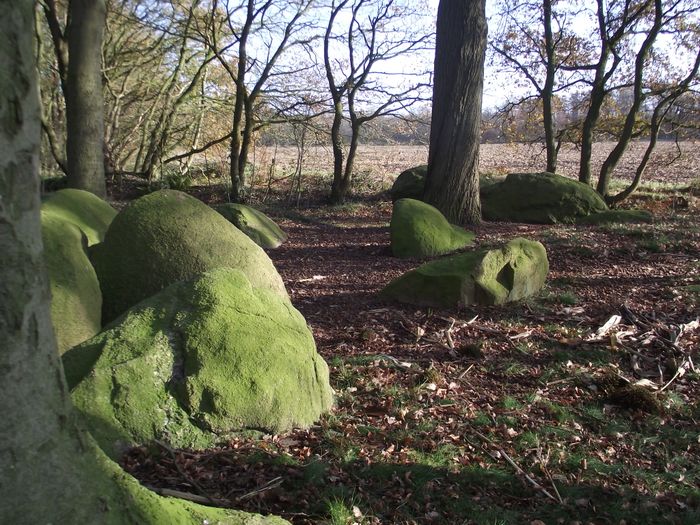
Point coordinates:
pixel 550 410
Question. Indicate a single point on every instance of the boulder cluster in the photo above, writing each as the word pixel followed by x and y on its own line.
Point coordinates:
pixel 173 324
pixel 502 274
pixel 488 276
pixel 533 198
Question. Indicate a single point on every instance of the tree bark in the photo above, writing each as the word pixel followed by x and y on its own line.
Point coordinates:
pixel 452 184
pixel 84 100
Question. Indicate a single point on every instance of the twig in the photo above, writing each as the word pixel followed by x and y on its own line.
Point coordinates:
pixel 679 372
pixel 466 371
pixel 543 467
pixel 527 476
pixel 203 500
pixel 273 483
pixel 448 336
pixel 520 471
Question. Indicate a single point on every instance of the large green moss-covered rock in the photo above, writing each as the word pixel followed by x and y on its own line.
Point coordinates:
pixel 254 223
pixel 540 198
pixel 197 361
pixel 486 277
pixel 420 230
pixel 410 183
pixel 168 236
pixel 76 300
pixel 618 217
pixel 87 211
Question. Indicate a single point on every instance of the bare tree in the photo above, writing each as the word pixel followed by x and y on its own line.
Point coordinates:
pixel 533 40
pixel 372 34
pixel 249 39
pixel 630 85
pixel 452 184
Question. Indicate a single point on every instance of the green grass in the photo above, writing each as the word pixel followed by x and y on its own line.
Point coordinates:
pixel 339 512
pixel 510 403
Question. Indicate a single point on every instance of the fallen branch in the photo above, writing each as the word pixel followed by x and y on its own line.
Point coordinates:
pixel 527 476
pixel 273 483
pixel 517 468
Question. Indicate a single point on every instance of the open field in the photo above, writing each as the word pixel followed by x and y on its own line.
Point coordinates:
pixel 380 164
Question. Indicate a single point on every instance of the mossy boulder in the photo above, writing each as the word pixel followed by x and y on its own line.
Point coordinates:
pixel 420 230
pixel 76 300
pixel 483 277
pixel 197 361
pixel 410 183
pixel 82 208
pixel 618 217
pixel 255 224
pixel 168 236
pixel 539 198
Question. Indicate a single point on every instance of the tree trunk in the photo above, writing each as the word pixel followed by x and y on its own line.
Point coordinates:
pixel 84 102
pixel 338 157
pixel 590 121
pixel 343 182
pixel 548 90
pixel 615 155
pixel 452 184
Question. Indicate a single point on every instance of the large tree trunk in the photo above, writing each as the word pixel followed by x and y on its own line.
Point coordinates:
pixel 52 471
pixel 84 102
pixel 452 184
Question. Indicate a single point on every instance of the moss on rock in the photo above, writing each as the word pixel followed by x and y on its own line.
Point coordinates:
pixel 87 211
pixel 168 236
pixel 420 230
pixel 618 217
pixel 254 223
pixel 197 361
pixel 486 277
pixel 76 300
pixel 540 198
pixel 410 183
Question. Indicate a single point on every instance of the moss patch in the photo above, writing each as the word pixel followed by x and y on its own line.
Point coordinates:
pixel 487 277
pixel 76 299
pixel 420 230
pixel 85 210
pixel 540 198
pixel 197 361
pixel 166 237
pixel 255 224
